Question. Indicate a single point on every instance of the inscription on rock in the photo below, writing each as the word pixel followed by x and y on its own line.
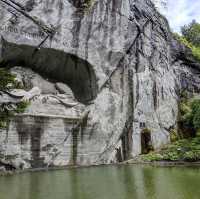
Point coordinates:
pixel 31 35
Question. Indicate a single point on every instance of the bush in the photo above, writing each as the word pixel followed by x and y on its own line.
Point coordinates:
pixel 195 113
pixel 185 149
pixel 21 107
pixel 152 157
pixel 173 135
pixel 6 114
pixel 190 113
pixel 196 120
pixel 182 149
pixel 192 156
pixel 196 52
pixel 171 156
pixel 7 81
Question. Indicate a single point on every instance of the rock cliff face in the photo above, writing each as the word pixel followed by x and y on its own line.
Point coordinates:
pixel 122 64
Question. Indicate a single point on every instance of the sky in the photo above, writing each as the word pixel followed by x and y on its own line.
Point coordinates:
pixel 181 12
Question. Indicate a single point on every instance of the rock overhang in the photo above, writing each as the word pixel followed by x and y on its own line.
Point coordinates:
pixel 142 90
pixel 54 64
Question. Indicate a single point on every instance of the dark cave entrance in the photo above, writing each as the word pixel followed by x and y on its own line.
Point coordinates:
pixel 146 143
pixel 77 73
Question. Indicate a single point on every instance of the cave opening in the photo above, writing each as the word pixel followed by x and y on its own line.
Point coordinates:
pixel 146 143
pixel 53 64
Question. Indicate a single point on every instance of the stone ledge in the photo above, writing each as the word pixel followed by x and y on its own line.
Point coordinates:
pixel 49 116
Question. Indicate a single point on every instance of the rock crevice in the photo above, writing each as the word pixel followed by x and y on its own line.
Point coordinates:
pixel 116 60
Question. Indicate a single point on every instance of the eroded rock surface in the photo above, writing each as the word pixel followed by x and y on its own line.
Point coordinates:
pixel 119 59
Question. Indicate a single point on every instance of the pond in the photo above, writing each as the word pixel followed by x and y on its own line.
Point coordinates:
pixel 106 182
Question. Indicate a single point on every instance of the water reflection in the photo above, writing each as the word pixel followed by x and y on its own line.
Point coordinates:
pixel 124 182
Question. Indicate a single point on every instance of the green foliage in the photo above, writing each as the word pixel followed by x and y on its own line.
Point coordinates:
pixel 185 110
pixel 4 118
pixel 196 118
pixel 6 114
pixel 183 40
pixel 171 156
pixel 21 107
pixel 195 113
pixel 7 82
pixel 173 135
pixel 184 95
pixel 185 149
pixel 191 33
pixel 196 52
pixel 88 4
pixel 146 130
pixel 185 116
pixel 6 79
pixel 195 105
pixel 152 157
pixel 192 156
pixel 190 113
pixel 195 49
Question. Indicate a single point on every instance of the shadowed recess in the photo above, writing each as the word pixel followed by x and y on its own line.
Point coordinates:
pixel 77 73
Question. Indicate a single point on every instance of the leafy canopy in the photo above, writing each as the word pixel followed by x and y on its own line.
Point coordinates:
pixel 191 33
pixel 190 113
pixel 191 38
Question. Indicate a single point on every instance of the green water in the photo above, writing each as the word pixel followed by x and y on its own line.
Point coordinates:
pixel 124 182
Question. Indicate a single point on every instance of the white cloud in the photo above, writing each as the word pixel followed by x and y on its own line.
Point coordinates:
pixel 181 12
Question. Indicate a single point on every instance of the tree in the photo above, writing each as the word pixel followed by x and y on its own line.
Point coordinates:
pixel 196 113
pixel 192 33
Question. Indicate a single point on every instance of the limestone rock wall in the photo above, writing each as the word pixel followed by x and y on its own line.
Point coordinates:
pixel 120 60
pixel 37 142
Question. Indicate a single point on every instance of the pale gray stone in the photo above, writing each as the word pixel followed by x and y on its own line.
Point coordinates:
pixel 64 89
pixel 122 64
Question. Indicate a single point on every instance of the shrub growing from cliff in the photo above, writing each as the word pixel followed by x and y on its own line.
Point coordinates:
pixel 6 79
pixel 7 112
pixel 191 37
pixel 7 82
pixel 195 49
pixel 87 5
